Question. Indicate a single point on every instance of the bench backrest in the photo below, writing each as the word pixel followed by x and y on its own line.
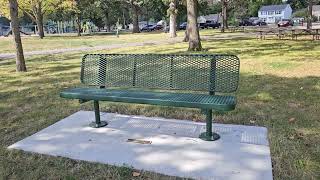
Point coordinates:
pixel 213 73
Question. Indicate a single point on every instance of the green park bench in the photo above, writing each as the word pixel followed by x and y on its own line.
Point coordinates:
pixel 166 80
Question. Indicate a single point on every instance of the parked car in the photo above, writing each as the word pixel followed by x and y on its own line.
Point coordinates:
pixel 183 26
pixel 285 23
pixel 156 27
pixel 253 21
pixel 245 22
pixel 212 24
pixel 259 22
pixel 148 28
pixel 202 25
pixel 167 29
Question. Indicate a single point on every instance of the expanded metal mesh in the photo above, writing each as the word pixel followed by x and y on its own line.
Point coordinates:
pixel 216 73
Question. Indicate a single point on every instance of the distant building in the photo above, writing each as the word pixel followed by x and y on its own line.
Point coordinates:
pixel 316 11
pixel 274 13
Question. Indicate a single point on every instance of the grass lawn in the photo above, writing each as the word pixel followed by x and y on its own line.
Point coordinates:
pixel 34 43
pixel 279 89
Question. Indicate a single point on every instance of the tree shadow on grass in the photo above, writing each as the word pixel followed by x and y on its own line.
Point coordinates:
pixel 44 58
pixel 264 100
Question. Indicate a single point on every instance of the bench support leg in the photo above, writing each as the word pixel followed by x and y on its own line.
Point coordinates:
pixel 209 135
pixel 97 123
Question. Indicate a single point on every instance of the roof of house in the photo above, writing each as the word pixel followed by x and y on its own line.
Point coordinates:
pixel 274 7
pixel 316 8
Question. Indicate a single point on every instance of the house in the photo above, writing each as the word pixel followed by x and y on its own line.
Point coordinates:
pixel 275 13
pixel 210 17
pixel 316 11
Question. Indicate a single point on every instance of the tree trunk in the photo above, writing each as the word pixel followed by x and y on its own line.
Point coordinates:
pixel 224 15
pixel 79 24
pixel 107 22
pixel 20 62
pixel 186 35
pixel 309 20
pixel 39 21
pixel 193 30
pixel 173 19
pixel 135 20
pixel 124 20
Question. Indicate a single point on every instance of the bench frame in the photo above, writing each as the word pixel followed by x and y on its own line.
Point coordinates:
pixel 209 135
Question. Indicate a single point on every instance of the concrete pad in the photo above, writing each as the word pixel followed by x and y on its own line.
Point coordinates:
pixel 241 153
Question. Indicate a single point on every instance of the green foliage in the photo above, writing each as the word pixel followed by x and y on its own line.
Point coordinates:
pixel 301 13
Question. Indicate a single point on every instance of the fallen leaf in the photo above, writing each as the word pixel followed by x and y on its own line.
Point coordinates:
pixel 300 135
pixel 292 120
pixel 136 174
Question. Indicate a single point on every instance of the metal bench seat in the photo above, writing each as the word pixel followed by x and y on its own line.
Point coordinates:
pixel 202 101
pixel 133 78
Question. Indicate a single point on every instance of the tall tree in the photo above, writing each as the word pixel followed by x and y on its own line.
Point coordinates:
pixel 309 19
pixel 79 8
pixel 173 11
pixel 37 9
pixel 224 15
pixel 192 28
pixel 20 62
pixel 135 6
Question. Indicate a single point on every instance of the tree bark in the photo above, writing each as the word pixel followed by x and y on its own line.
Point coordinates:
pixel 186 35
pixel 107 22
pixel 224 15
pixel 79 24
pixel 193 30
pixel 309 20
pixel 39 21
pixel 20 62
pixel 135 19
pixel 173 19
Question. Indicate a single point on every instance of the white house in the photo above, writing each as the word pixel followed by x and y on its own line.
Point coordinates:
pixel 275 13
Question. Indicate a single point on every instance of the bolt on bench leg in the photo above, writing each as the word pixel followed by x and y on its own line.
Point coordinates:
pixel 209 135
pixel 97 123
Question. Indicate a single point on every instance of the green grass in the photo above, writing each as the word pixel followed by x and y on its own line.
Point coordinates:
pixel 279 89
pixel 34 43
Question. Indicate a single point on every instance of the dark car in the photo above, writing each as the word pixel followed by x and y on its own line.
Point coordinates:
pixel 147 28
pixel 183 26
pixel 245 22
pixel 156 27
pixel 202 25
pixel 253 21
pixel 285 23
pixel 259 22
pixel 212 24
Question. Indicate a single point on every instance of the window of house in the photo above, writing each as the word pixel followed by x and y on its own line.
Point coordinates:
pixel 270 12
pixel 263 12
pixel 278 12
